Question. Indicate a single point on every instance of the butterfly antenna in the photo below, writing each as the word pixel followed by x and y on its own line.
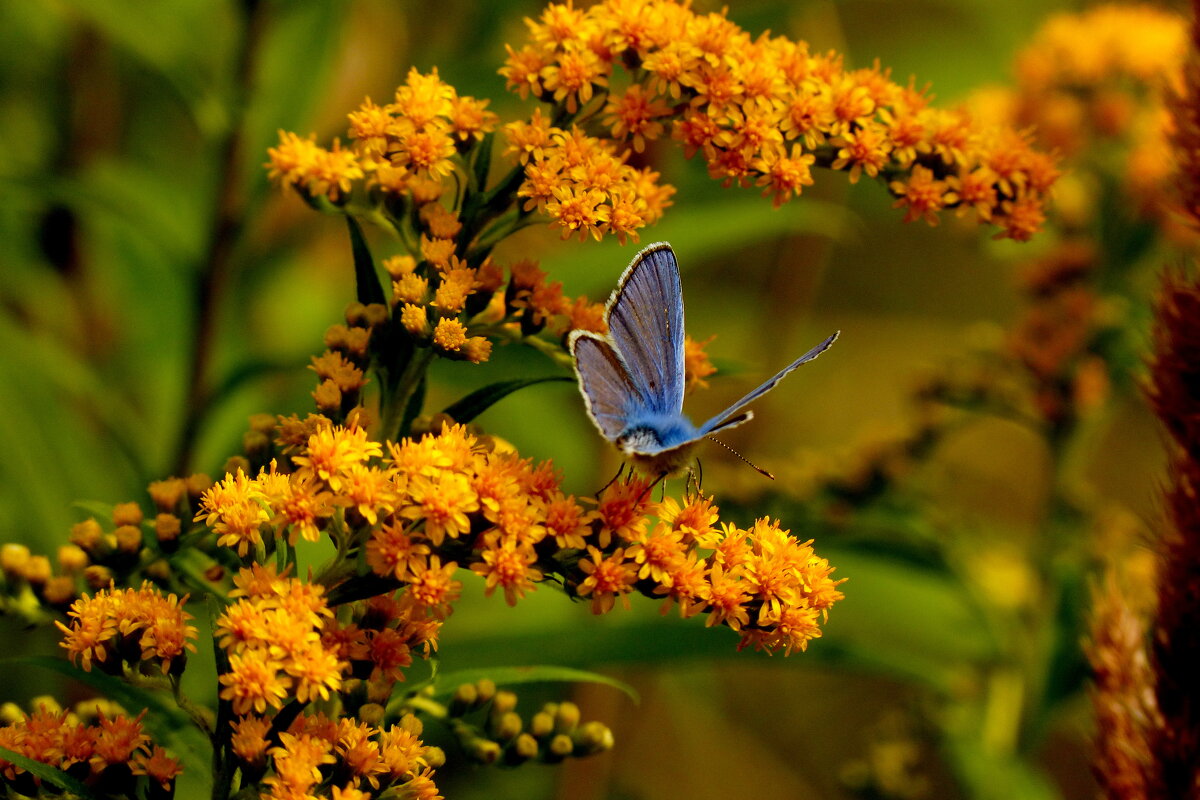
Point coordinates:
pixel 745 460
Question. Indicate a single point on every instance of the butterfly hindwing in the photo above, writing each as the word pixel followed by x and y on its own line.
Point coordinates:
pixel 727 418
pixel 608 392
pixel 645 322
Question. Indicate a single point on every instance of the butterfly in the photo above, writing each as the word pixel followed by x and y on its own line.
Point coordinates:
pixel 632 380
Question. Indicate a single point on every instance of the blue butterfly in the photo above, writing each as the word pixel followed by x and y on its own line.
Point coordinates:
pixel 632 380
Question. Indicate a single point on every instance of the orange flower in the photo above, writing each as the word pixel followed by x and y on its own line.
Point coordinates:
pixel 607 579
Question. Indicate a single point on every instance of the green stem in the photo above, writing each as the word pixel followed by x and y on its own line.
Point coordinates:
pixel 392 415
pixel 201 716
pixel 225 229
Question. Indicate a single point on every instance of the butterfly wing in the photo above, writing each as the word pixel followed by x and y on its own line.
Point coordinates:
pixel 645 323
pixel 731 417
pixel 609 393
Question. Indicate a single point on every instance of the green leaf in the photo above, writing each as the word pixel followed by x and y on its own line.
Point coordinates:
pixel 998 776
pixel 95 508
pixel 167 724
pixel 49 774
pixel 177 41
pixel 480 400
pixel 366 279
pixel 447 682
pixel 709 230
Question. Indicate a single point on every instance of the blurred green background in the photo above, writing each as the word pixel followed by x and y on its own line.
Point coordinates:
pixel 116 121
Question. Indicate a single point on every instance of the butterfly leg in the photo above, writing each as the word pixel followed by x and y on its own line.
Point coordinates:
pixel 611 481
pixel 695 479
pixel 650 487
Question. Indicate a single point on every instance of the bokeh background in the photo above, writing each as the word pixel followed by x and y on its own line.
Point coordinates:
pixel 952 668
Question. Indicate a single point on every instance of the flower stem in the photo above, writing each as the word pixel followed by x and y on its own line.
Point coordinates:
pixel 224 233
pixel 392 415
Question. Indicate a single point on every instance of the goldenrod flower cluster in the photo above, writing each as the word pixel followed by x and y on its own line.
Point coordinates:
pixel 1096 78
pixel 761 110
pixel 342 758
pixel 110 752
pixel 445 501
pixel 140 625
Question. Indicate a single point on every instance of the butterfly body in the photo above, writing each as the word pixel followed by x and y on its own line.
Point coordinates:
pixel 632 380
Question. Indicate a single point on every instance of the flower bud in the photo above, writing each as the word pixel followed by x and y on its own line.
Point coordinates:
pixel 593 737
pixel 72 558
pixel 127 514
pixel 129 538
pixel 508 726
pixel 167 494
pixel 465 698
pixel 14 558
pixel 567 718
pixel 87 534
pixel 542 724
pixel 371 714
pixel 167 528
pixel 37 570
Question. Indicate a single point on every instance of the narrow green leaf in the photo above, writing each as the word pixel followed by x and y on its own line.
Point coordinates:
pixel 167 725
pixel 447 682
pixel 49 774
pixel 480 400
pixel 366 279
pixel 98 509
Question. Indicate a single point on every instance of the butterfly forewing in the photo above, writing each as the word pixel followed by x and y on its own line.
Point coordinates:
pixel 608 391
pixel 719 420
pixel 645 322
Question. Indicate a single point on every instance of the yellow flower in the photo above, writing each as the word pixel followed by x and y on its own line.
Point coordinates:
pixel 634 114
pixel 443 503
pixel 449 335
pixel 572 77
pixel 522 70
pixel 509 566
pixel 332 451
pixel 607 579
pixel 432 589
pixel 863 150
pixel 253 683
pixel 392 551
pixel 922 196
pixel 236 509
pixel 578 210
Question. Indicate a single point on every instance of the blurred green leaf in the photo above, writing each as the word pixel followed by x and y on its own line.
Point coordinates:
pixel 95 508
pixel 999 776
pixel 906 613
pixel 167 724
pixel 51 775
pixel 177 41
pixel 709 230
pixel 480 400
pixel 447 682
pixel 53 404
pixel 298 52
